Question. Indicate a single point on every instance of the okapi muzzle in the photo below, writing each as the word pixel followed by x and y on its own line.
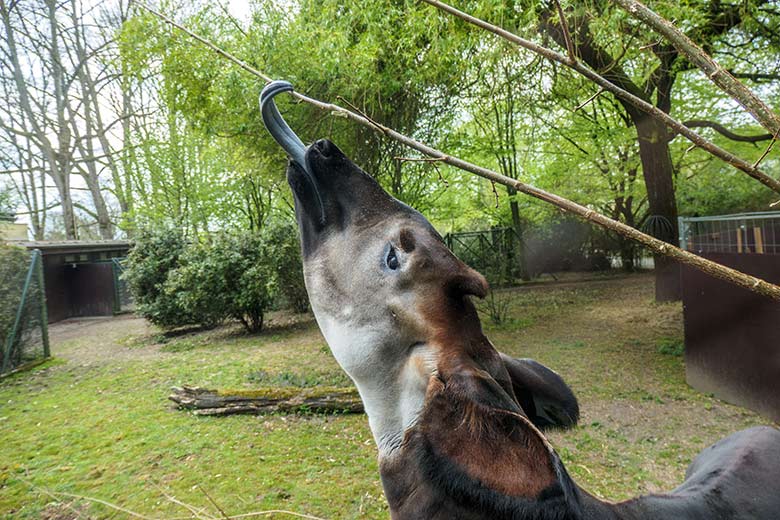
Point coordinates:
pixel 457 424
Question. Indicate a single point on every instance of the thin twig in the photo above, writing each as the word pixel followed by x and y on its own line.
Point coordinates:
pixel 50 495
pixel 432 161
pixel 591 98
pixel 419 159
pixel 649 46
pixel 277 512
pixel 214 503
pixel 441 177
pixel 233 21
pixel 766 152
pixel 356 109
pixel 56 494
pixel 103 502
pixel 199 513
pixel 207 43
pixel 495 191
pixel 566 34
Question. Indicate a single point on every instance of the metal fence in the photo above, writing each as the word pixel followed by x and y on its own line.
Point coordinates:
pixel 491 252
pixel 23 322
pixel 757 233
pixel 123 298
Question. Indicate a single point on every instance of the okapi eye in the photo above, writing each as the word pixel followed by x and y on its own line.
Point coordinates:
pixel 392 259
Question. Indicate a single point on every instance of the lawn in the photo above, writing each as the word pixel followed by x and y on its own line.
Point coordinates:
pixel 95 420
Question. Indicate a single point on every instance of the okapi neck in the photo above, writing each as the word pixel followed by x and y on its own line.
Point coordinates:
pixel 463 347
pixel 467 459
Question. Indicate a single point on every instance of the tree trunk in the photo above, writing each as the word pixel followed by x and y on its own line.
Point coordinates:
pixel 517 225
pixel 105 226
pixel 627 254
pixel 658 172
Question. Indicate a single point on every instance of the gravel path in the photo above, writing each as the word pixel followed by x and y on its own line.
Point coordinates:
pixel 102 340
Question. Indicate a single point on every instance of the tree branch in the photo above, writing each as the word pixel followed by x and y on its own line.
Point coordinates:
pixel 621 93
pixel 696 55
pixel 755 76
pixel 725 132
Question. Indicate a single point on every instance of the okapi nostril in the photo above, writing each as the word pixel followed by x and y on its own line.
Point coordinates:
pixel 325 147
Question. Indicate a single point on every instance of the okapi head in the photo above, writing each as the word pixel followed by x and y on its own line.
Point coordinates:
pixel 394 305
pixel 389 296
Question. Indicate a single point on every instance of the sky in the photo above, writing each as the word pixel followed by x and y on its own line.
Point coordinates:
pixel 240 9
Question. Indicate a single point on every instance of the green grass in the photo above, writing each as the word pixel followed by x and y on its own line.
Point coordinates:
pixel 96 421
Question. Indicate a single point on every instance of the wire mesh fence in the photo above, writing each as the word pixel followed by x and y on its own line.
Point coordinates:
pixel 757 233
pixel 123 298
pixel 493 252
pixel 23 318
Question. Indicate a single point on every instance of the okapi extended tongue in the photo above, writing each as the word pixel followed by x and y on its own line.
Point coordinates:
pixel 287 139
pixel 276 124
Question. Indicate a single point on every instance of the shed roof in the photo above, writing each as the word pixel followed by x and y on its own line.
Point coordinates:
pixel 50 247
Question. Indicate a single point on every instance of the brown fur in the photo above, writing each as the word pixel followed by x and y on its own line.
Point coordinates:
pixel 498 448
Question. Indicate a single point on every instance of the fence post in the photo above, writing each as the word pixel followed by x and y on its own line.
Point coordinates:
pixel 682 229
pixel 12 335
pixel 115 276
pixel 44 310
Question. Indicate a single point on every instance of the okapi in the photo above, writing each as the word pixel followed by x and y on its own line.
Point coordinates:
pixel 452 418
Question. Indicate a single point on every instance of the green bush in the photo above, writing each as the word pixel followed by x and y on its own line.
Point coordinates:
pixel 281 238
pixel 14 263
pixel 14 266
pixel 233 276
pixel 155 255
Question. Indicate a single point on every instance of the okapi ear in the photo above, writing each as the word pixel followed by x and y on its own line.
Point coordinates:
pixel 544 396
pixel 467 282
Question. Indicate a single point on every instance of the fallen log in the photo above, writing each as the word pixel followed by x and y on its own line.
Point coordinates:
pixel 324 400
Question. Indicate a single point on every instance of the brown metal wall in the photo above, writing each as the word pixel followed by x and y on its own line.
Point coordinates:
pixel 57 300
pixel 91 289
pixel 732 335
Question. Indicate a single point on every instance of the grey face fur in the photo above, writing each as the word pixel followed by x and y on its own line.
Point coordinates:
pixel 373 268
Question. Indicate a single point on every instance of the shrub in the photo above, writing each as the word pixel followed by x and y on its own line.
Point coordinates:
pixel 14 264
pixel 26 346
pixel 281 238
pixel 233 276
pixel 156 253
pixel 242 267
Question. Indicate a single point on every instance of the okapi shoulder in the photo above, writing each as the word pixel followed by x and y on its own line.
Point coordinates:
pixel 476 447
pixel 544 396
pixel 739 474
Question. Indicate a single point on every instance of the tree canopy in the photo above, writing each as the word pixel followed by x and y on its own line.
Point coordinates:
pixel 153 127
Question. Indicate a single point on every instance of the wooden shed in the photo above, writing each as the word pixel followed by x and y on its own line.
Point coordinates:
pixel 81 277
pixel 732 335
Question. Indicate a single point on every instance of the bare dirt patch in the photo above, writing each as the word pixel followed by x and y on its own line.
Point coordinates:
pixel 94 341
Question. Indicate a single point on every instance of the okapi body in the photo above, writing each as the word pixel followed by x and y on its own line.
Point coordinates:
pixel 455 422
